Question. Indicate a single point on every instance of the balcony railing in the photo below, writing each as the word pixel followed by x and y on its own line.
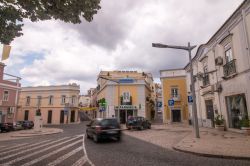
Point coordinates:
pixel 229 68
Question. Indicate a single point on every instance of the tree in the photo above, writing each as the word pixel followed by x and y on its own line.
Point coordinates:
pixel 13 12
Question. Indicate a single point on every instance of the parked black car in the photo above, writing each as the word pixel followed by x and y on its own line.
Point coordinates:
pixel 27 124
pixel 138 122
pixel 103 129
pixel 4 127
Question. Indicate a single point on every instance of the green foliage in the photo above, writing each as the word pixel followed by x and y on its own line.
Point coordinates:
pixel 245 122
pixel 219 120
pixel 12 13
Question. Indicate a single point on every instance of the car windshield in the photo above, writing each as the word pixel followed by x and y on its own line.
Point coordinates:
pixel 109 122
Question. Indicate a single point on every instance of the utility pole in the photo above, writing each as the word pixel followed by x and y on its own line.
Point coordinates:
pixel 189 49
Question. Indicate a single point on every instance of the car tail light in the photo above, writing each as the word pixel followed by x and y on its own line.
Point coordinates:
pixel 98 129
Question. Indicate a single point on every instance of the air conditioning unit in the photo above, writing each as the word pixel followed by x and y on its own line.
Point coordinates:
pixel 219 61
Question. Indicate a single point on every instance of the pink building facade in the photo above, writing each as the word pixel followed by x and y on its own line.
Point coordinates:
pixel 9 92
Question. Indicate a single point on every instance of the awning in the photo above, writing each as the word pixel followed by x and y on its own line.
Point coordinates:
pixel 88 108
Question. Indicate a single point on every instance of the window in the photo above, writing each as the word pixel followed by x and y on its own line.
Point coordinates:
pixel 228 55
pixel 174 92
pixel 51 100
pixel 73 100
pixel 206 76
pixel 126 97
pixel 28 100
pixel 5 95
pixel 39 100
pixel 63 99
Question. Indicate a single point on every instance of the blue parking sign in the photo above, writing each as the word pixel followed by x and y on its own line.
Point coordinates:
pixel 190 99
pixel 171 102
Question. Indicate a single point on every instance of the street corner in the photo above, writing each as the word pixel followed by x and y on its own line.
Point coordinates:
pixel 31 133
pixel 214 144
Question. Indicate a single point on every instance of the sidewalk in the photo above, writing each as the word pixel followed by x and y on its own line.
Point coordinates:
pixel 213 143
pixel 28 133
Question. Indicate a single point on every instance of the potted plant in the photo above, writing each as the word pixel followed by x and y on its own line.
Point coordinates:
pixel 219 122
pixel 245 125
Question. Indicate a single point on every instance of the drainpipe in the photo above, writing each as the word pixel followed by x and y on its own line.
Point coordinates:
pixel 217 82
pixel 245 30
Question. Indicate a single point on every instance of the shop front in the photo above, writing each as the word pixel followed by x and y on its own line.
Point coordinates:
pixel 236 110
pixel 125 112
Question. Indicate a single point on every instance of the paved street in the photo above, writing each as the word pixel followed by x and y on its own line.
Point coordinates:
pixel 67 148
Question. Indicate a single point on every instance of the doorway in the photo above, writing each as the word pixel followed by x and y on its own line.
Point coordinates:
pixel 176 115
pixel 26 115
pixel 72 116
pixel 210 111
pixel 62 116
pixel 49 117
pixel 122 116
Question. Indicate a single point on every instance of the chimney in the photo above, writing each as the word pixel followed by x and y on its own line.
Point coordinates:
pixel 2 65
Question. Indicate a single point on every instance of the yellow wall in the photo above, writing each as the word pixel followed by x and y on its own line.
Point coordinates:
pixel 45 107
pixel 179 82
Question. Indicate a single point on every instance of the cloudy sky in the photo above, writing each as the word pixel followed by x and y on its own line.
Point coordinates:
pixel 119 38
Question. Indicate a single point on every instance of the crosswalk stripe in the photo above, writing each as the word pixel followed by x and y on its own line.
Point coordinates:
pixel 12 147
pixel 27 150
pixel 23 147
pixel 40 151
pixel 60 159
pixel 80 162
pixel 51 153
pixel 84 149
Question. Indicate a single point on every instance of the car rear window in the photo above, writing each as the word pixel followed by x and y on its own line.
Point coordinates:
pixel 109 122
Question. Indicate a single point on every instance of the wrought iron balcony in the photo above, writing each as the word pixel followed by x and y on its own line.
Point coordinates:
pixel 229 68
pixel 206 79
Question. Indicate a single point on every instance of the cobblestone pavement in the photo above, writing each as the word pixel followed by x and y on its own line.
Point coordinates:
pixel 28 133
pixel 212 143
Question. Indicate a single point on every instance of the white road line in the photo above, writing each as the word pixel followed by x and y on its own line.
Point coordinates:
pixel 81 161
pixel 12 147
pixel 40 151
pixel 27 150
pixel 51 153
pixel 24 147
pixel 84 149
pixel 60 159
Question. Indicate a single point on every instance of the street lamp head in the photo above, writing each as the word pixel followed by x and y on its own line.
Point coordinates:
pixel 159 45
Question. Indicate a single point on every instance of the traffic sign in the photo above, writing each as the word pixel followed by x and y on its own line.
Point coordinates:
pixel 171 102
pixel 190 99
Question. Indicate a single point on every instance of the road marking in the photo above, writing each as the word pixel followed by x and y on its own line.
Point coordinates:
pixel 84 149
pixel 24 147
pixel 51 153
pixel 27 150
pixel 37 152
pixel 12 147
pixel 60 159
pixel 81 161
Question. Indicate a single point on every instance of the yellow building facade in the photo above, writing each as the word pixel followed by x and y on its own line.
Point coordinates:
pixel 58 104
pixel 125 93
pixel 174 94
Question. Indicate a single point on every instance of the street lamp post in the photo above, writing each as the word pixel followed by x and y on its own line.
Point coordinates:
pixel 189 49
pixel 118 83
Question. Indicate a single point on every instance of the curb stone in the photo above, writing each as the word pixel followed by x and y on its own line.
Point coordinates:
pixel 212 155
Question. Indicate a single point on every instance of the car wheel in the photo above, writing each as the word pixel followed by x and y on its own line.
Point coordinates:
pixel 118 138
pixel 149 126
pixel 141 127
pixel 88 136
pixel 95 138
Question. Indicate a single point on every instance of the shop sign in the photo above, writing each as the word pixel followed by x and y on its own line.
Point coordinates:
pixel 128 107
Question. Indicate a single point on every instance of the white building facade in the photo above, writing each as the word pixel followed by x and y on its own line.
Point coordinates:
pixel 222 72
